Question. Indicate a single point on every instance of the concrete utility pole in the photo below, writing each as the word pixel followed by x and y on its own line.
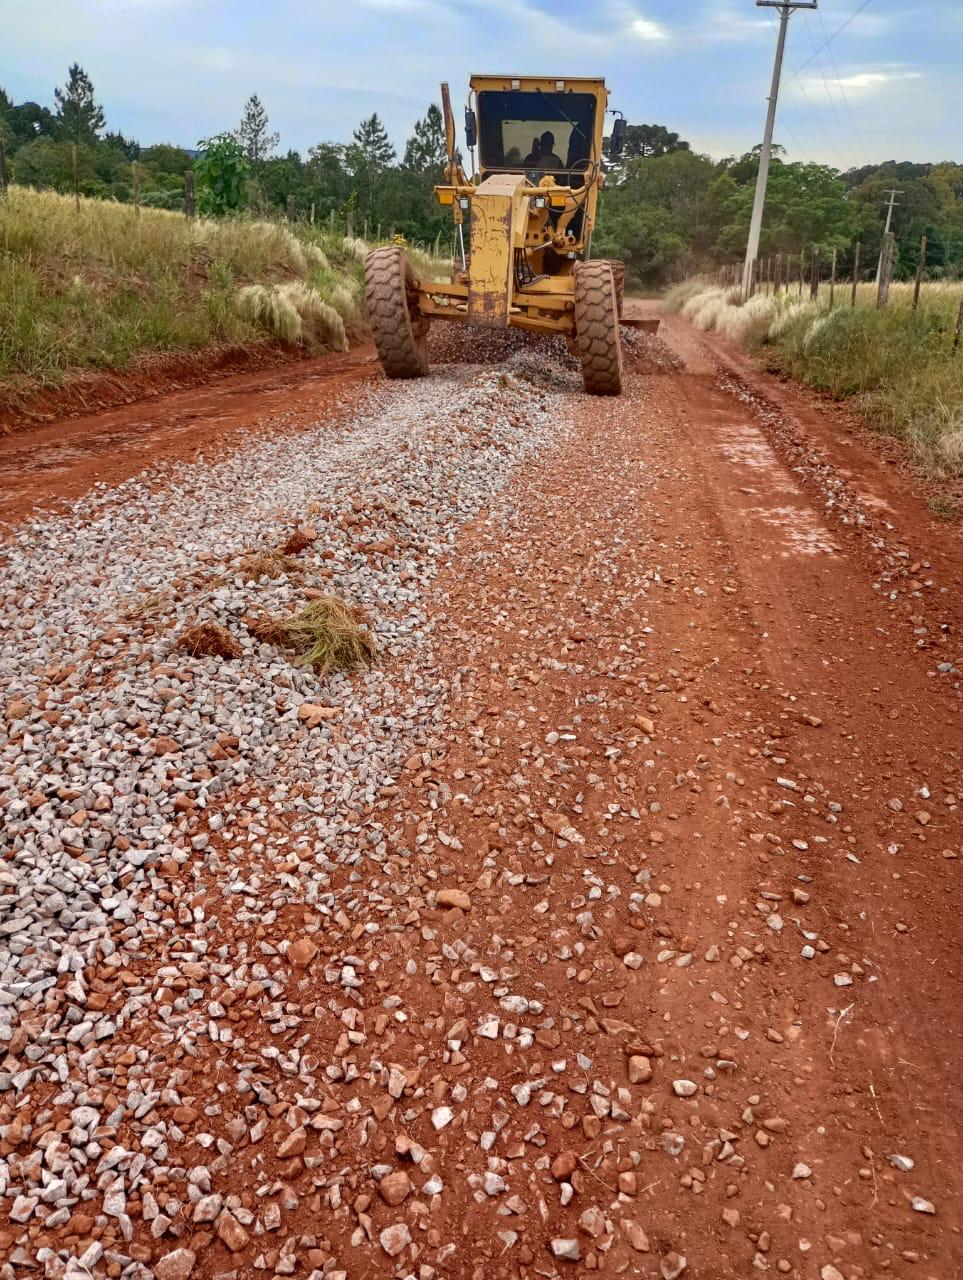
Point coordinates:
pixel 889 218
pixel 786 9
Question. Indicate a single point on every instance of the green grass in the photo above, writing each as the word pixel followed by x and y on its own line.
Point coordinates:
pixel 97 286
pixel 896 366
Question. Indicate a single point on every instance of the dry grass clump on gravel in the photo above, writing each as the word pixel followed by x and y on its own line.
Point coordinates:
pixel 209 640
pixel 328 634
pixel 150 603
pixel 267 564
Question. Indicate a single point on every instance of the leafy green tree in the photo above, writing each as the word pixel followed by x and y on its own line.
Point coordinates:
pixel 48 163
pixel 26 122
pixel 80 118
pixel 221 171
pixel 327 183
pixel 644 140
pixel 254 135
pixel 806 204
pixel 127 146
pixel 647 238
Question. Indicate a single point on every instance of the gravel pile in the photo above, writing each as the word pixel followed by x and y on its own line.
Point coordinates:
pixel 118 752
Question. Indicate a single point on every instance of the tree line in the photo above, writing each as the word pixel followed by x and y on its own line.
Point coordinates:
pixel 666 210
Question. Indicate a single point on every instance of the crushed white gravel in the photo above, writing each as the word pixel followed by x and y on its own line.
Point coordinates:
pixel 118 751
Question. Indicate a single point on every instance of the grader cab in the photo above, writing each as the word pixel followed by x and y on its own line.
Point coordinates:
pixel 523 223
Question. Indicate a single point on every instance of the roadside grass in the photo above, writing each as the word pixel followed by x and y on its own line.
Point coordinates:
pixel 97 286
pixel 897 366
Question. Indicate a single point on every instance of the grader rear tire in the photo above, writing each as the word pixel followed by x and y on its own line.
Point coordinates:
pixel 597 329
pixel 399 332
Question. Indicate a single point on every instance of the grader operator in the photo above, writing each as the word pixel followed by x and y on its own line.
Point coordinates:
pixel 524 225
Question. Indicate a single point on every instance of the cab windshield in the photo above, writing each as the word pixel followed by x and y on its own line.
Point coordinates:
pixel 523 132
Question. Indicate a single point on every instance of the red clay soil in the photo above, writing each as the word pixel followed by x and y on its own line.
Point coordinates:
pixel 87 392
pixel 42 465
pixel 701 816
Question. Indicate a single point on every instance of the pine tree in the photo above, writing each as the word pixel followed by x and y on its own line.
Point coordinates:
pixel 253 134
pixel 79 118
pixel 425 151
pixel 374 145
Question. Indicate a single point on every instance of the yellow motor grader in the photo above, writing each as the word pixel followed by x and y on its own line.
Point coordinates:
pixel 529 212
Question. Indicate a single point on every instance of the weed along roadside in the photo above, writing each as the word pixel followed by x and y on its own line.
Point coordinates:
pixel 96 290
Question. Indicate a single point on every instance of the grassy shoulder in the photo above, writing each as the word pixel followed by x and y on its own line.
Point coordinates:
pixel 97 286
pixel 897 366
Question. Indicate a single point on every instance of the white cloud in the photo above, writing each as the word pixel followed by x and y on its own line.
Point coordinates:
pixel 862 82
pixel 646 29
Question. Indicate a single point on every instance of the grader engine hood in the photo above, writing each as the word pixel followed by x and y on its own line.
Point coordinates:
pixel 499 213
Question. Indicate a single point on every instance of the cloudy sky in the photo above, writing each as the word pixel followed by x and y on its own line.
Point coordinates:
pixel 887 85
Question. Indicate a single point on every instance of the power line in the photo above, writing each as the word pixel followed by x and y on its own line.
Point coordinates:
pixel 832 101
pixel 852 17
pixel 831 144
pixel 862 152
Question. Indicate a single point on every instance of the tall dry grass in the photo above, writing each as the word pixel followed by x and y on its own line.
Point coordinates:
pixel 896 365
pixel 97 284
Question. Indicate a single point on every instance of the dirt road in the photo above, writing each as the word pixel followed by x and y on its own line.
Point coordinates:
pixel 612 924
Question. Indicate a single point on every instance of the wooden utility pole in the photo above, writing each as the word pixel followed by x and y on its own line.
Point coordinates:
pixel 190 206
pixel 852 301
pixel 885 270
pixel 920 268
pixel 786 9
pixel 814 278
pixel 832 282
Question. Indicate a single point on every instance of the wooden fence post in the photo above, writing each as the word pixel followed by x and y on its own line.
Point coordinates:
pixel 135 186
pixel 777 284
pixel 920 267
pixel 959 328
pixel 802 270
pixel 73 165
pixel 814 279
pixel 832 282
pixel 190 205
pixel 312 213
pixel 289 207
pixel 885 270
pixel 3 169
pixel 852 301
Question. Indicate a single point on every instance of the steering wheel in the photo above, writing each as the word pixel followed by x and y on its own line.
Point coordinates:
pixel 584 167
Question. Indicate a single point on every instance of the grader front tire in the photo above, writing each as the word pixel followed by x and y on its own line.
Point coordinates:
pixel 618 276
pixel 400 333
pixel 597 329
